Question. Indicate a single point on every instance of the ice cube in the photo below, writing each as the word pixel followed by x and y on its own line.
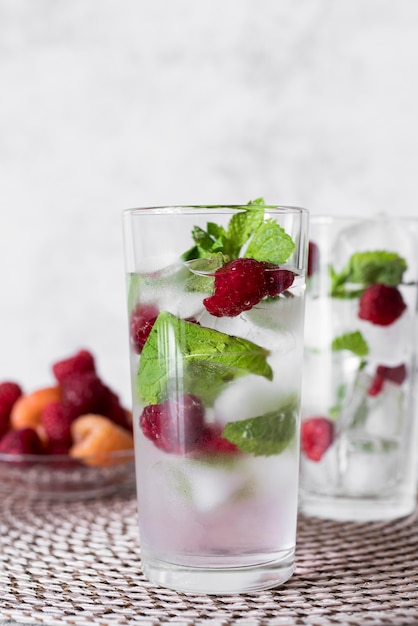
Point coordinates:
pixel 247 397
pixel 251 395
pixel 389 345
pixel 278 315
pixel 371 465
pixel 326 375
pixel 326 318
pixel 210 486
pixel 382 232
pixel 354 408
pixel 321 476
pixel 236 326
pixel 385 412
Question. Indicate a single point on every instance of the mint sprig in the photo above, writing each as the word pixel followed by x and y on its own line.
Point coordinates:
pixel 270 243
pixel 266 434
pixel 247 234
pixel 200 359
pixel 365 268
pixel 353 341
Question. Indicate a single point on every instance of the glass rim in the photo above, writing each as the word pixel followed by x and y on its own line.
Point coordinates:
pixel 328 218
pixel 196 208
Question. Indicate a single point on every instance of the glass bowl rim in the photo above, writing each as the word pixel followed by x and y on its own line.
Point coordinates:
pixel 45 459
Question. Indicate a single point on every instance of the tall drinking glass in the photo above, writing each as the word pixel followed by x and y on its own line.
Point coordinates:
pixel 359 448
pixel 216 304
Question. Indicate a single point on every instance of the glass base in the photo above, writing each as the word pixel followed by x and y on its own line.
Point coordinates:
pixel 346 509
pixel 219 580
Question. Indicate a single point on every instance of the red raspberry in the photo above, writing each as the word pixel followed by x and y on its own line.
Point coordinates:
pixel 82 361
pixel 83 392
pixel 175 425
pixel 23 441
pixel 277 280
pixel 9 393
pixel 396 375
pixel 317 434
pixel 212 442
pixel 59 448
pixel 381 304
pixel 313 258
pixel 112 408
pixel 376 386
pixel 239 285
pixel 56 419
pixel 142 320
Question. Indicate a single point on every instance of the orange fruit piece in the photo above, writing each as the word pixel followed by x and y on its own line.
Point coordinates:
pixel 95 436
pixel 27 409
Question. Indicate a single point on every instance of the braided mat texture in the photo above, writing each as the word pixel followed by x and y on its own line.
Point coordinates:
pixel 78 564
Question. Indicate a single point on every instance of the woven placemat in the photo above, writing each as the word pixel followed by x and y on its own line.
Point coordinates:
pixel 78 564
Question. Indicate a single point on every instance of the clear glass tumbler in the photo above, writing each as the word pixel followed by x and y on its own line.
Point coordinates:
pixel 358 433
pixel 216 305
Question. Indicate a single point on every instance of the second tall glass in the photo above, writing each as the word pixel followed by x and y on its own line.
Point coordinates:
pixel 359 448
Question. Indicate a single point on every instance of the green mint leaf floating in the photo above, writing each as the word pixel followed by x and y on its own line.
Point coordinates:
pixel 365 268
pixel 201 272
pixel 240 228
pixel 270 243
pixel 228 242
pixel 335 410
pixel 256 202
pixel 210 241
pixel 203 359
pixel 339 288
pixel 266 434
pixel 379 266
pixel 207 242
pixel 353 341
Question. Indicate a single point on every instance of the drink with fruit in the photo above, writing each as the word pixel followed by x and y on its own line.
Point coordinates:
pixel 358 434
pixel 216 301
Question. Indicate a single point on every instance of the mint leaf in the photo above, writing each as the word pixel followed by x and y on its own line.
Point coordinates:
pixel 267 240
pixel 339 289
pixel 266 434
pixel 365 268
pixel 201 273
pixel 229 242
pixel 209 241
pixel 270 243
pixel 335 410
pixel 256 202
pixel 240 228
pixel 201 360
pixel 377 267
pixel 353 341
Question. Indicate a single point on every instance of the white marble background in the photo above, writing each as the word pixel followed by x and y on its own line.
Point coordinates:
pixel 111 104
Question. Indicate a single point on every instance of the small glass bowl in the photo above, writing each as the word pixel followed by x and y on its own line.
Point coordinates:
pixel 61 477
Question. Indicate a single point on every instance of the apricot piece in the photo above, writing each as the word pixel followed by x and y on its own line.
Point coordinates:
pixel 95 436
pixel 27 410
